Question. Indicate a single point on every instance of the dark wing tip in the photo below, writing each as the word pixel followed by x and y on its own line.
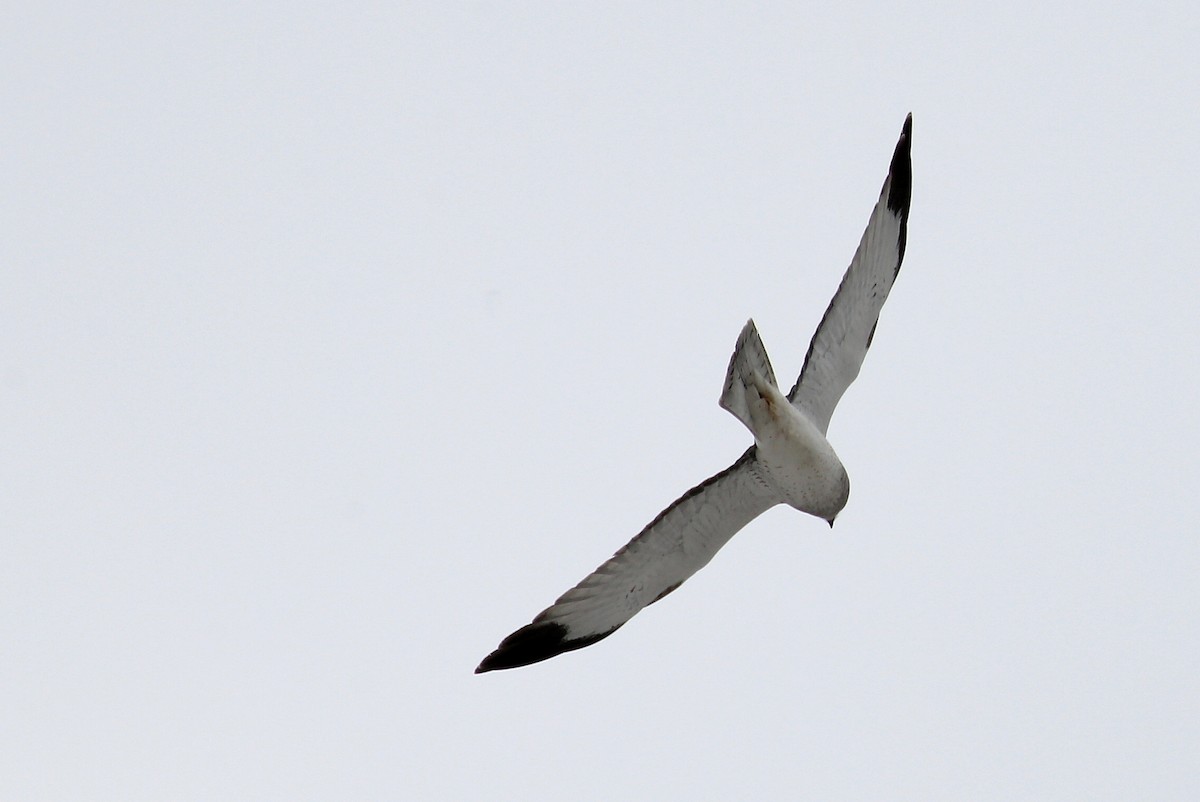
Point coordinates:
pixel 900 173
pixel 534 643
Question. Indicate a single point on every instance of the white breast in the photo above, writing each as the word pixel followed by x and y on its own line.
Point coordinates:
pixel 798 460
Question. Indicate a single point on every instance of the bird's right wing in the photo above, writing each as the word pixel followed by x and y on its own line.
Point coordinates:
pixel 841 341
pixel 675 545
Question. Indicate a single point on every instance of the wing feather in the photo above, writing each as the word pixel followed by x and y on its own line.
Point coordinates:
pixel 672 547
pixel 841 341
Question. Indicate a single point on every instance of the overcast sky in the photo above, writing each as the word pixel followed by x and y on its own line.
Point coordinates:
pixel 339 340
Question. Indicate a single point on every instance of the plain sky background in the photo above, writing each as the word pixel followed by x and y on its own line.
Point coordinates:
pixel 339 339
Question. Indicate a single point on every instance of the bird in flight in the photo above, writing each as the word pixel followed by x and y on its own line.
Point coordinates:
pixel 790 462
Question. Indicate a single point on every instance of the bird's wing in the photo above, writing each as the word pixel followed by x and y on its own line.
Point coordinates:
pixel 675 545
pixel 841 341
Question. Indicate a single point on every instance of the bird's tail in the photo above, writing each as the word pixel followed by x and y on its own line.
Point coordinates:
pixel 749 370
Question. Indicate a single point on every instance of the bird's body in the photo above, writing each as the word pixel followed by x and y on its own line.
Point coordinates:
pixel 800 464
pixel 791 461
pixel 792 454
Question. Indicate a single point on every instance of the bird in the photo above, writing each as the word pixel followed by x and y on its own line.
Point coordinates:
pixel 791 461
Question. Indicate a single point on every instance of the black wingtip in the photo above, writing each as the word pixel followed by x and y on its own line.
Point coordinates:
pixel 534 643
pixel 900 173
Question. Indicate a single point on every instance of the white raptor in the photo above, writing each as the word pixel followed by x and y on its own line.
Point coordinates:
pixel 790 462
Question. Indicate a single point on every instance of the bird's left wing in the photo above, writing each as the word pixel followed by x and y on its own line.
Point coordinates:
pixel 675 545
pixel 841 341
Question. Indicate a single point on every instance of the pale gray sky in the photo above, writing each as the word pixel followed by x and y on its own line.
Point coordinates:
pixel 338 341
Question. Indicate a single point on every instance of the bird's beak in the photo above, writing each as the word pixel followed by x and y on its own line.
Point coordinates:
pixel 831 520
